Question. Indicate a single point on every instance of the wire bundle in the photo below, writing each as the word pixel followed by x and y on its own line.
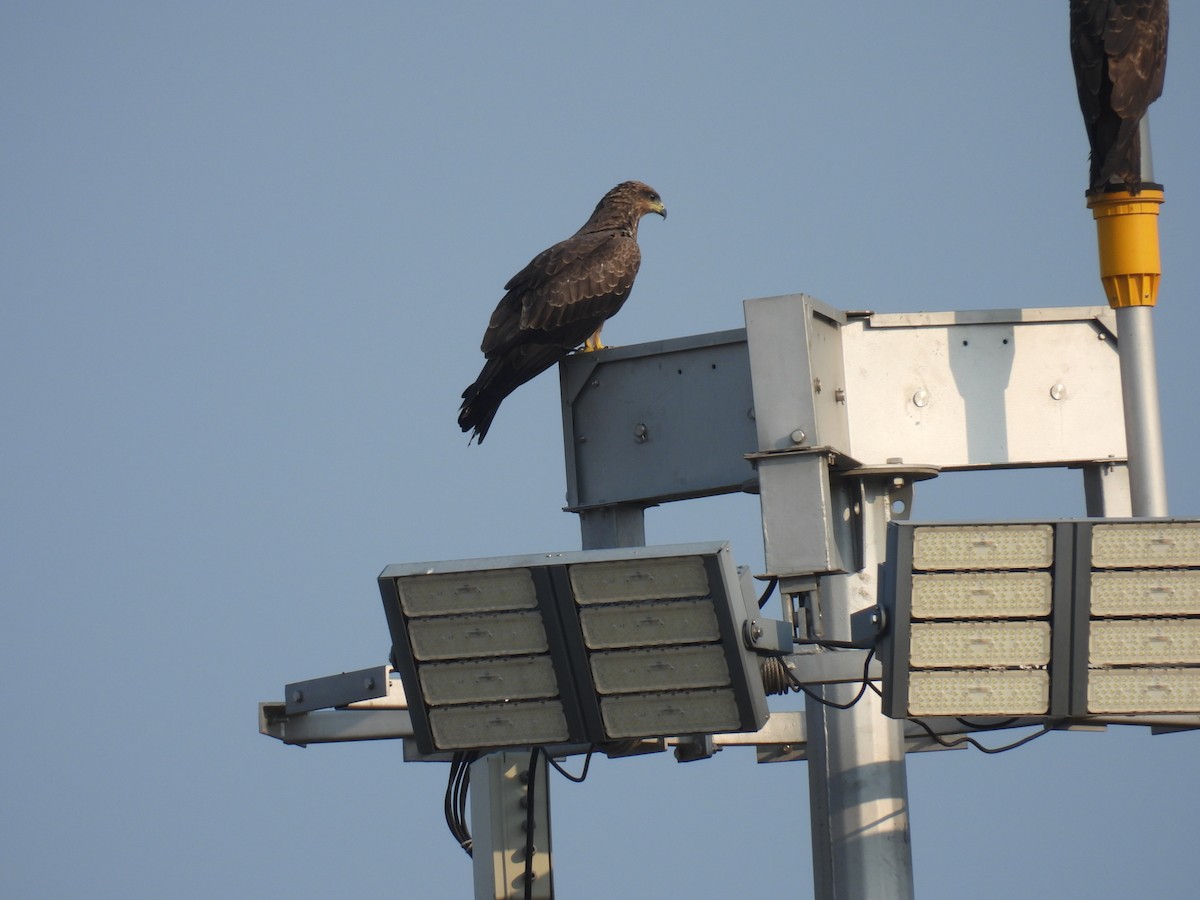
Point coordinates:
pixel 456 798
pixel 458 787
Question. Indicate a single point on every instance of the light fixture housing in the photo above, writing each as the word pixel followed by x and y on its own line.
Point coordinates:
pixel 1137 617
pixel 978 619
pixel 585 647
pixel 1065 619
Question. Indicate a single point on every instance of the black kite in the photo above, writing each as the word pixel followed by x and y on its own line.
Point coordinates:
pixel 560 301
pixel 1119 50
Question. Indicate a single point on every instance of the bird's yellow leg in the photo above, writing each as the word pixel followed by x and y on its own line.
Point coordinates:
pixel 593 343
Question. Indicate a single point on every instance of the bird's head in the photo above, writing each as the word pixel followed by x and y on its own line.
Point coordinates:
pixel 643 198
pixel 623 206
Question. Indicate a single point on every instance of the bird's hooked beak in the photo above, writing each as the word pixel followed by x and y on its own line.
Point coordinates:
pixel 658 207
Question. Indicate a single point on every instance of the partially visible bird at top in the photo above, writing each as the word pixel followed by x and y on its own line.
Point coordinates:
pixel 1119 51
pixel 560 301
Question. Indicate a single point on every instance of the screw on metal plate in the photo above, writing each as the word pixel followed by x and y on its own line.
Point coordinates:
pixel 1058 391
pixel 921 398
pixel 640 434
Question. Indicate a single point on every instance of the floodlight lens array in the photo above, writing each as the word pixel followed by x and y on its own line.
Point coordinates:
pixel 1063 619
pixel 649 579
pixel 1143 624
pixel 1144 545
pixel 981 595
pixel 1168 592
pixel 1131 691
pixel 484 664
pixel 983 645
pixel 978 599
pixel 984 692
pixel 492 634
pixel 658 665
pixel 489 725
pixel 973 548
pixel 587 647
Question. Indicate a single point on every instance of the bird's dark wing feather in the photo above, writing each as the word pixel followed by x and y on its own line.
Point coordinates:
pixel 1118 49
pixel 552 306
pixel 575 284
pixel 1136 46
pixel 1087 54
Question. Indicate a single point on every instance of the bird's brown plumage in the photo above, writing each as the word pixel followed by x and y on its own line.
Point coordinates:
pixel 1119 51
pixel 560 301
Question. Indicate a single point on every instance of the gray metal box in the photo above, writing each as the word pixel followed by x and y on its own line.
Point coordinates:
pixel 660 421
pixel 798 373
pixel 984 388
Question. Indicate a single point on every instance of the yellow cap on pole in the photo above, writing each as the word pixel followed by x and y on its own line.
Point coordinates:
pixel 1127 232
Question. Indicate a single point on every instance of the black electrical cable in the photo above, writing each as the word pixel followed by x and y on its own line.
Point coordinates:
pixel 463 787
pixel 449 802
pixel 937 738
pixel 836 645
pixel 578 779
pixel 866 682
pixel 766 595
pixel 529 821
pixel 455 803
pixel 987 726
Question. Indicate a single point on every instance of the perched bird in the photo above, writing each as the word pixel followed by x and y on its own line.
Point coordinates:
pixel 560 301
pixel 1119 50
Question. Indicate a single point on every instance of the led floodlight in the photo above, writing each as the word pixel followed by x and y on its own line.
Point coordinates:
pixel 1137 623
pixel 1058 619
pixel 582 647
pixel 973 613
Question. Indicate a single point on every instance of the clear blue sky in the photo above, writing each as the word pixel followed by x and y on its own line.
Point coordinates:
pixel 247 251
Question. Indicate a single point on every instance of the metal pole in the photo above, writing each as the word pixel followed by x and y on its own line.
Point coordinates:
pixel 1139 387
pixel 500 795
pixel 858 784
pixel 1143 425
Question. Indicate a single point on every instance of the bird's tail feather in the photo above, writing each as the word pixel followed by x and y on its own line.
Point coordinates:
pixel 499 378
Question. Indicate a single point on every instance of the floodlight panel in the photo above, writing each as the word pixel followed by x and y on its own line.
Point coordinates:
pixel 639 579
pixel 979 644
pixel 1143 642
pixel 981 595
pixel 483 680
pixel 663 714
pixel 969 547
pixel 495 634
pixel 1140 545
pixel 647 624
pixel 448 593
pixel 521 724
pixel 529 650
pixel 660 669
pixel 1148 592
pixel 1143 691
pixel 1000 692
